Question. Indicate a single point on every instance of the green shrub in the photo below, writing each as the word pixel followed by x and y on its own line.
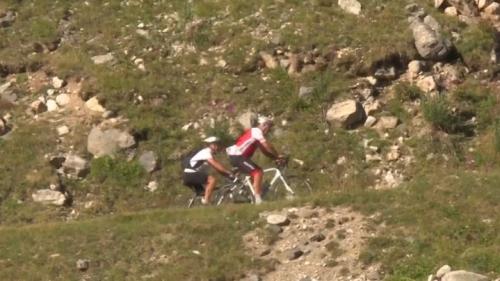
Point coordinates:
pixel 437 112
pixel 407 92
pixel 475 46
pixel 116 172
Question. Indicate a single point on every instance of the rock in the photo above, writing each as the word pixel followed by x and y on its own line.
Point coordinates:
pixel 247 119
pixel 240 89
pixel 7 19
pixel 432 23
pixel 75 165
pixel 3 127
pixel 305 92
pixel 481 4
pixel 429 43
pixel 52 105
pixel 94 105
pixel 350 6
pixel 82 265
pixel 387 122
pixel 38 107
pixel 370 121
pixel 414 68
pixel 462 275
pixel 274 229
pixel 346 114
pixel 57 83
pixel 386 73
pixel 318 237
pixel 295 64
pixel 4 87
pixel 62 130
pixel 372 106
pixel 451 11
pixel 252 277
pixel 152 186
pixel 443 270
pixel 107 142
pixel 427 84
pixel 101 59
pixel 149 161
pixel 47 196
pixel 269 61
pixel 492 10
pixel 438 3
pixel 394 154
pixel 62 99
pixel 294 254
pixel 277 219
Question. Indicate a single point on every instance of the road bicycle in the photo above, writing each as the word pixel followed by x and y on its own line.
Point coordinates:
pixel 240 189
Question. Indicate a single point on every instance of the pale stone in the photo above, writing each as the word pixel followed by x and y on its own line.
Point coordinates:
pixel 57 83
pixel 47 196
pixel 269 61
pixel 62 130
pixel 350 6
pixel 52 105
pixel 443 270
pixel 62 99
pixel 346 114
pixel 387 122
pixel 152 186
pixel 451 11
pixel 277 219
pixel 247 119
pixel 149 161
pixel 370 121
pixel 101 59
pixel 75 165
pixel 462 275
pixel 492 9
pixel 107 142
pixel 94 105
pixel 427 84
pixel 414 68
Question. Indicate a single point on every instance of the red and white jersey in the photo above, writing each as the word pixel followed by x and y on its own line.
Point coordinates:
pixel 247 143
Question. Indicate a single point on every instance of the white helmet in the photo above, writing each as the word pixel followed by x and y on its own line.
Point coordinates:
pixel 264 120
pixel 211 139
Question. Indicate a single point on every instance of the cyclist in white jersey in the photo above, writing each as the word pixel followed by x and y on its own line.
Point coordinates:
pixel 196 174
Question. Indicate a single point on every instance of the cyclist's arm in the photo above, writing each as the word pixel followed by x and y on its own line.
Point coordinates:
pixel 218 167
pixel 268 149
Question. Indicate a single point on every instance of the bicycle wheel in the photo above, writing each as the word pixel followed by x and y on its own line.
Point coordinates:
pixel 194 201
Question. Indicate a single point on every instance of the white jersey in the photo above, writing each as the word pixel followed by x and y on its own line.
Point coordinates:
pixel 203 155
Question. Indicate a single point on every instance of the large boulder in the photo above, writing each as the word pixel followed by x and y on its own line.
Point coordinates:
pixel 350 6
pixel 47 196
pixel 346 114
pixel 462 275
pixel 101 142
pixel 430 44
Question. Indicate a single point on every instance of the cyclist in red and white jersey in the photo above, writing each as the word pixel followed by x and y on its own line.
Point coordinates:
pixel 246 145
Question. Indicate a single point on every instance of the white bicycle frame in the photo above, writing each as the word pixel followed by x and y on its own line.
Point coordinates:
pixel 277 176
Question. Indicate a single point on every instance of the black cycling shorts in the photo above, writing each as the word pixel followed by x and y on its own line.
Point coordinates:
pixel 196 181
pixel 243 164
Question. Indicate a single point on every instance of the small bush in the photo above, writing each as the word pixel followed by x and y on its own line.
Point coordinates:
pixel 407 92
pixel 116 172
pixel 437 112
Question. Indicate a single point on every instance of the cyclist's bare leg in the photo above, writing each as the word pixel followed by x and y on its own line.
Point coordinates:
pixel 211 181
pixel 257 182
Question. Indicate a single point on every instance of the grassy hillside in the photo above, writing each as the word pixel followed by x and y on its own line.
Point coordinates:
pixel 177 62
